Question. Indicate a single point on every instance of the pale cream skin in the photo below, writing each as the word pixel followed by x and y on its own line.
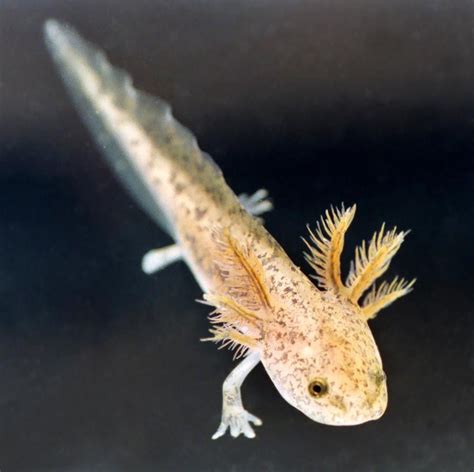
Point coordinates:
pixel 314 343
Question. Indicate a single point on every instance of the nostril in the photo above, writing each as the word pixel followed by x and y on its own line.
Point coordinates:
pixel 379 377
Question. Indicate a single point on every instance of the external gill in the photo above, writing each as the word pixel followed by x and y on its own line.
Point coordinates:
pixel 325 253
pixel 240 313
pixel 233 325
pixel 371 261
pixel 385 294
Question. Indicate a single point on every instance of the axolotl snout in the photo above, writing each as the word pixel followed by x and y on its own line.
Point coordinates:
pixel 313 339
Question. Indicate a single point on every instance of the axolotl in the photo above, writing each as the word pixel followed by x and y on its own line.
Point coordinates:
pixel 313 339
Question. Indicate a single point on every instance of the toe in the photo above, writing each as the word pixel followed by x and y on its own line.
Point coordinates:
pixel 220 431
pixel 248 431
pixel 254 419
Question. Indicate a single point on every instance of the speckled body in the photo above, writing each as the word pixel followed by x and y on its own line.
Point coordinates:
pixel 310 333
pixel 314 343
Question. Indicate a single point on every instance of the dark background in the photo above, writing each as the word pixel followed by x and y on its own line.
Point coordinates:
pixel 101 368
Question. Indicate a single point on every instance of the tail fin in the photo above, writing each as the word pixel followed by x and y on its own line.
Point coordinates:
pixel 116 114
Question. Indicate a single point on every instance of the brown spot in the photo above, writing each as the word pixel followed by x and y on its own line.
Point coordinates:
pixel 179 188
pixel 199 213
pixel 188 237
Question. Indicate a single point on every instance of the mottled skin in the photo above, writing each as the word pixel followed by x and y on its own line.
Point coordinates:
pixel 330 341
pixel 311 333
pixel 314 343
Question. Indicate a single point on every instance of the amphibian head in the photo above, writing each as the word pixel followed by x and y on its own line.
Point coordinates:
pixel 329 366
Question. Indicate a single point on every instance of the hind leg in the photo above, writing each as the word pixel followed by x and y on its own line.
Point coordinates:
pixel 257 203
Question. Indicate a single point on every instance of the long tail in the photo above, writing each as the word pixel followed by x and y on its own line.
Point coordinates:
pixel 132 129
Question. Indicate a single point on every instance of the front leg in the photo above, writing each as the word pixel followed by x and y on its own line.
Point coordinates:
pixel 234 416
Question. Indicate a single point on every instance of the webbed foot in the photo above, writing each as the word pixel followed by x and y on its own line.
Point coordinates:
pixel 234 416
pixel 237 420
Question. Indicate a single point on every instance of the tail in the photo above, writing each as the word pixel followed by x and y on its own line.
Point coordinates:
pixel 130 127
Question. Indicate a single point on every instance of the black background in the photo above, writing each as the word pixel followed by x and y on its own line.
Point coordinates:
pixel 101 368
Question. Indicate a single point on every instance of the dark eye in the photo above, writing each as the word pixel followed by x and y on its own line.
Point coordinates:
pixel 318 388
